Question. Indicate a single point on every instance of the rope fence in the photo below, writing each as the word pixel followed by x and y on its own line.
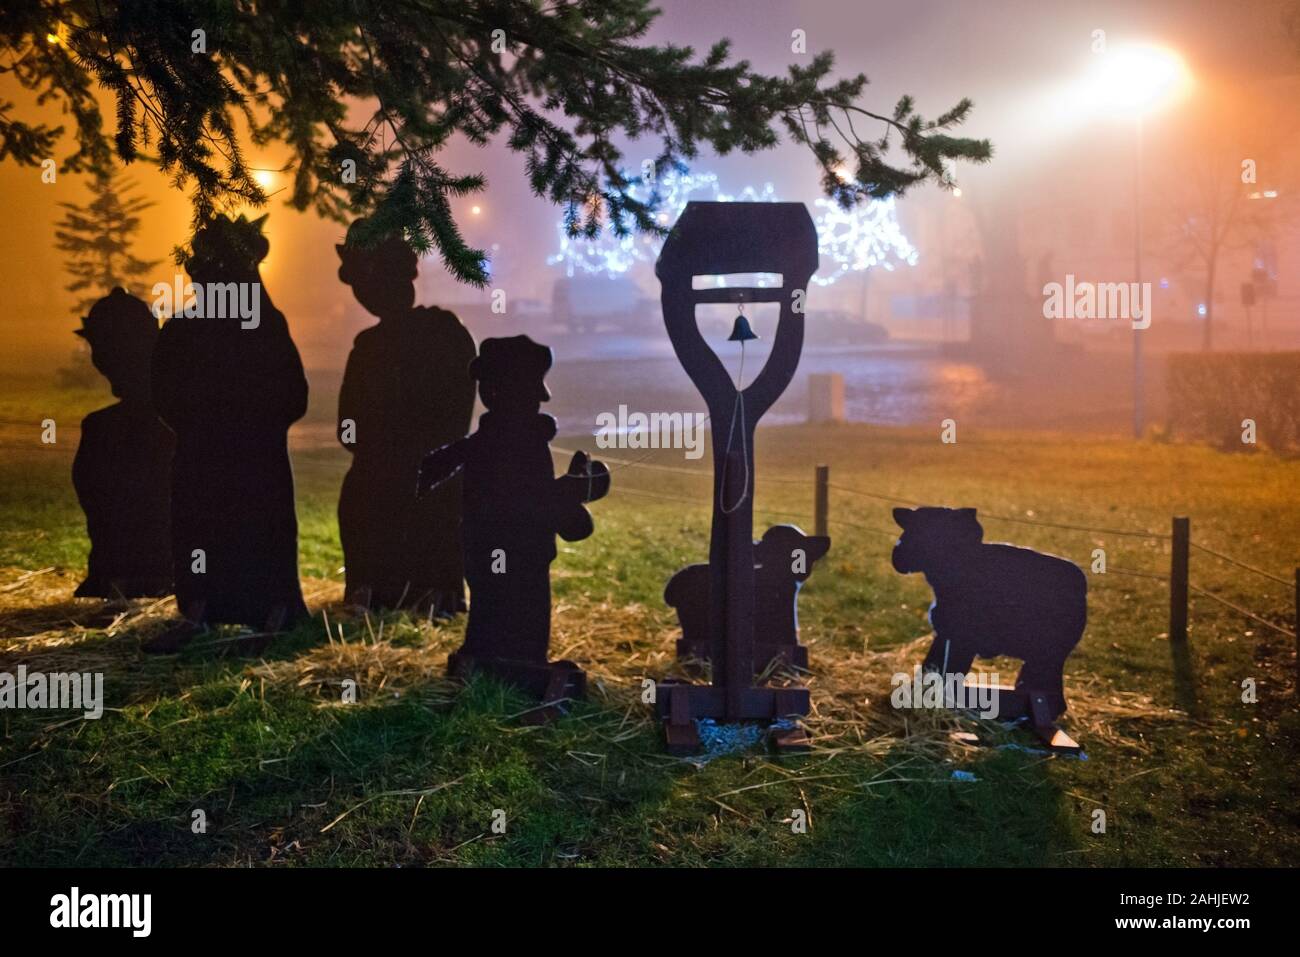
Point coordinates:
pixel 1180 587
pixel 1240 564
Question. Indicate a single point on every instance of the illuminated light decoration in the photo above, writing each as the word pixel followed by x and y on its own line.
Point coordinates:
pixel 859 238
pixel 614 255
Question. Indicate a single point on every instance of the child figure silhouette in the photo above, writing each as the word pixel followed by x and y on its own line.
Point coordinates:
pixel 407 389
pixel 121 468
pixel 230 389
pixel 514 506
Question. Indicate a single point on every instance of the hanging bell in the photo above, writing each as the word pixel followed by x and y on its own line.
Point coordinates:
pixel 740 331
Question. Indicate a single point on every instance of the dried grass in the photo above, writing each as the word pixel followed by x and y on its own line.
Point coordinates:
pixel 41 624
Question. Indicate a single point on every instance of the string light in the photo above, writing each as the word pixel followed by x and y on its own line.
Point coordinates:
pixel 863 237
pixel 613 255
pixel 859 238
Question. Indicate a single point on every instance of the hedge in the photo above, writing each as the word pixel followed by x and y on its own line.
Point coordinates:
pixel 1210 393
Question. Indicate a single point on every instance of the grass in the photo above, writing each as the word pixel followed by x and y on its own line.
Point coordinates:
pixel 285 773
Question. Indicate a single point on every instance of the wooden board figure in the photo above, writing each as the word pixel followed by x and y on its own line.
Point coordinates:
pixel 997 599
pixel 121 470
pixel 229 386
pixel 406 390
pixel 513 507
pixel 783 560
pixel 718 239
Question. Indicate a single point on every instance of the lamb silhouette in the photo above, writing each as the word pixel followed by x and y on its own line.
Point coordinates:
pixel 783 560
pixel 996 599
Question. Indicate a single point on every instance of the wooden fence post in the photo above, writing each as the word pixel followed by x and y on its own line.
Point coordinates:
pixel 822 501
pixel 1184 680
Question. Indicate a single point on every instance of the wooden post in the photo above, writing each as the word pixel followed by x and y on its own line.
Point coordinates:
pixel 713 239
pixel 822 505
pixel 1184 681
pixel 1178 581
pixel 1297 632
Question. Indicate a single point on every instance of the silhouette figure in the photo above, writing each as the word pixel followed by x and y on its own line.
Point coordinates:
pixel 992 600
pixel 407 389
pixel 719 239
pixel 783 560
pixel 121 468
pixel 514 506
pixel 230 387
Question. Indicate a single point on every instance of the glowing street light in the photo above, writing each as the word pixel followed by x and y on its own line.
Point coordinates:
pixel 1135 79
pixel 1132 81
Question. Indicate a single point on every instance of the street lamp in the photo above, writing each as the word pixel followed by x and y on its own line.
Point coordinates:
pixel 1132 81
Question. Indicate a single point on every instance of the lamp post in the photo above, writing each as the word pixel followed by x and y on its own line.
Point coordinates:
pixel 1139 386
pixel 1134 80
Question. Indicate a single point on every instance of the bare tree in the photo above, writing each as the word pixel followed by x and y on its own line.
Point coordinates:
pixel 1228 182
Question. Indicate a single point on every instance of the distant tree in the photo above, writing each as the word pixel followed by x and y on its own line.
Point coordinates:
pixel 1228 184
pixel 366 95
pixel 97 238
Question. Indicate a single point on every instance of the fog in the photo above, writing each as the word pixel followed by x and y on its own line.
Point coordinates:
pixel 961 324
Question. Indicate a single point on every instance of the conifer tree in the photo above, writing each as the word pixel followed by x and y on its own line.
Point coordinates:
pixel 366 94
pixel 97 238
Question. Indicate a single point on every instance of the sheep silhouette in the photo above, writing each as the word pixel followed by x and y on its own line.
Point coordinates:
pixel 994 599
pixel 783 560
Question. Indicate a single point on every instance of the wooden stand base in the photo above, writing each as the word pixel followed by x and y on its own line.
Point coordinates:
pixel 1021 703
pixel 553 684
pixel 678 704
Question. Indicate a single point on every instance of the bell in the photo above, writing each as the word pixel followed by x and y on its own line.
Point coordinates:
pixel 740 331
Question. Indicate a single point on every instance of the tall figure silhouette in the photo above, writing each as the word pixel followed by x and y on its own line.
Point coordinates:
pixel 407 389
pixel 230 387
pixel 121 468
pixel 514 506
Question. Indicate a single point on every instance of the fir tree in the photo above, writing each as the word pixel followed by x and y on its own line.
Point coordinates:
pixel 97 239
pixel 564 81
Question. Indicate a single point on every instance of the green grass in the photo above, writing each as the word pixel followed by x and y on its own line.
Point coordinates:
pixel 413 772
